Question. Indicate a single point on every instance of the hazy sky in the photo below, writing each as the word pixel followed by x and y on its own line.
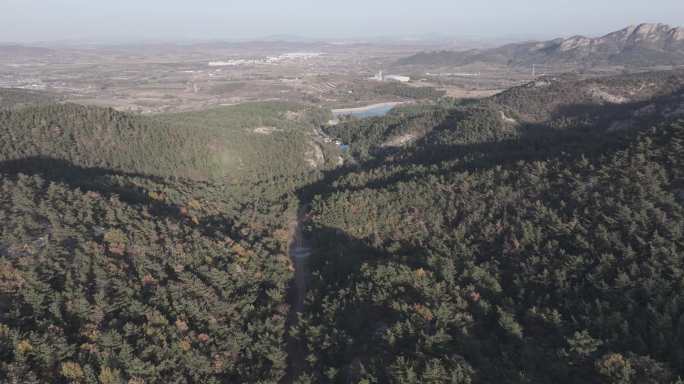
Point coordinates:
pixel 130 20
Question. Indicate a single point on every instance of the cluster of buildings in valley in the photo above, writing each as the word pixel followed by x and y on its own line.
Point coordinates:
pixel 455 74
pixel 285 57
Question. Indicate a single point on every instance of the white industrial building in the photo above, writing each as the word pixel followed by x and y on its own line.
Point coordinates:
pixel 401 79
pixel 382 77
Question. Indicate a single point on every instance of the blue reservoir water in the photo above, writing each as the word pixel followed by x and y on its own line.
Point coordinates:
pixel 378 111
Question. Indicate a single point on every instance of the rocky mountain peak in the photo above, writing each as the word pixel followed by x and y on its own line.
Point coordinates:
pixel 641 45
pixel 677 34
pixel 655 32
pixel 575 42
pixel 649 28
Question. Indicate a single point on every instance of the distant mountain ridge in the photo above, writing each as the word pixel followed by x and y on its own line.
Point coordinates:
pixel 638 45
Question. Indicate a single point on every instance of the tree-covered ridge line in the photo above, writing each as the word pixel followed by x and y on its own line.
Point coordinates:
pixel 246 143
pixel 556 96
pixel 538 109
pixel 260 141
pixel 100 137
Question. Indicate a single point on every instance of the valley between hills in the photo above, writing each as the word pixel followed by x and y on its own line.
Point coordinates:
pixel 529 230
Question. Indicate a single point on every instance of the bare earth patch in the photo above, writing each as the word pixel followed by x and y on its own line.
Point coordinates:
pixel 400 140
pixel 507 119
pixel 607 97
pixel 461 93
pixel 294 115
pixel 314 156
pixel 265 130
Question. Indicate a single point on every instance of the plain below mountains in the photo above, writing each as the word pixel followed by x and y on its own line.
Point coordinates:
pixel 643 45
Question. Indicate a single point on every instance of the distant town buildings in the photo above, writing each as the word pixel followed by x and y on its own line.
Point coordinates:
pixel 378 76
pixel 457 74
pixel 292 56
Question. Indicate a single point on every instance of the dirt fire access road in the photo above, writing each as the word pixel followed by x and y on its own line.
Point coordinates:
pixel 300 251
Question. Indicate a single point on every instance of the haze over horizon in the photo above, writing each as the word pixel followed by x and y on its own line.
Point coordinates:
pixel 27 21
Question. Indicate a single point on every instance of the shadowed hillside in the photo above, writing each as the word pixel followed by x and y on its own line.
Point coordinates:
pixel 496 249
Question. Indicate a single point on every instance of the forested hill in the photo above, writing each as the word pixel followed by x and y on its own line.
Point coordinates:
pixel 540 108
pixel 131 251
pixel 644 45
pixel 100 137
pixel 250 142
pixel 550 97
pixel 512 243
